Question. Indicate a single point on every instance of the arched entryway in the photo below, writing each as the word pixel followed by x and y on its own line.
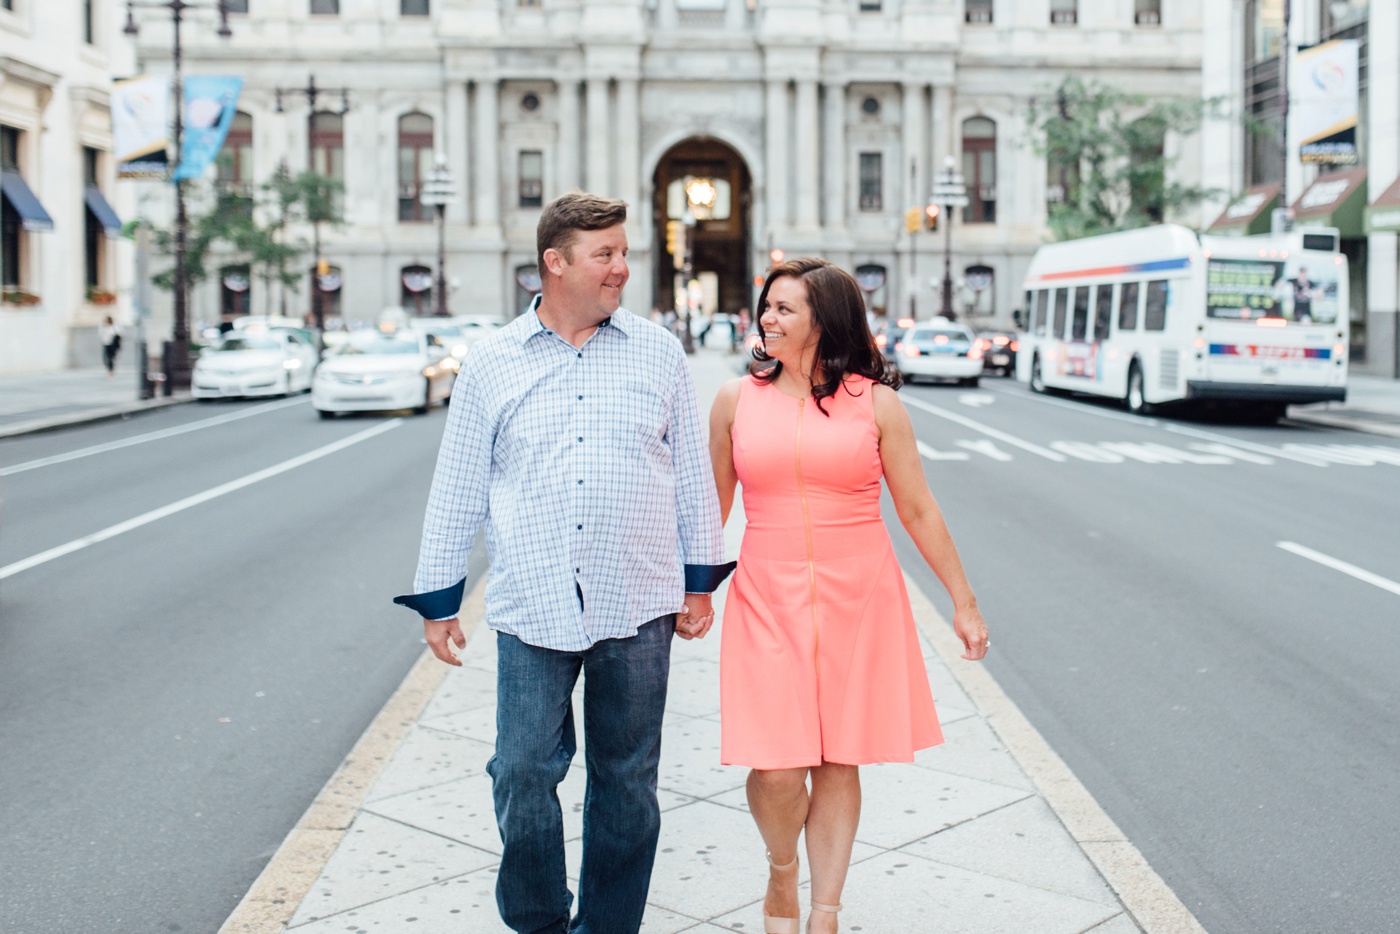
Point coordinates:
pixel 704 186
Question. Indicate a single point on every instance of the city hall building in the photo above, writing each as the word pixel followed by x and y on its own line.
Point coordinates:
pixel 812 128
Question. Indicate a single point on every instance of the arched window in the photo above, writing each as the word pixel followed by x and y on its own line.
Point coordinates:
pixel 980 170
pixel 328 144
pixel 527 286
pixel 415 162
pixel 235 292
pixel 416 285
pixel 235 163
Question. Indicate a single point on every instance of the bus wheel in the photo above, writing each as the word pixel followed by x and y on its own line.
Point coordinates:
pixel 1037 379
pixel 1136 402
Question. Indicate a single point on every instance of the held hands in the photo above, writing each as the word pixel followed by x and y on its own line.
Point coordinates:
pixel 968 624
pixel 696 617
pixel 437 632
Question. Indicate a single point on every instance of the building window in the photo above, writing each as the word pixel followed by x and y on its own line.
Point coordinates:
pixel 413 8
pixel 415 163
pixel 325 7
pixel 871 182
pixel 235 292
pixel 238 6
pixel 328 144
pixel 1064 12
pixel 870 6
pixel 92 229
pixel 978 11
pixel 12 234
pixel 235 164
pixel 531 178
pixel 1147 12
pixel 87 22
pixel 416 296
pixel 980 170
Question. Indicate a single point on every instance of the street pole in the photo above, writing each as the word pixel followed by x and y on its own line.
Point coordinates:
pixel 913 246
pixel 439 189
pixel 1283 49
pixel 948 266
pixel 948 193
pixel 441 311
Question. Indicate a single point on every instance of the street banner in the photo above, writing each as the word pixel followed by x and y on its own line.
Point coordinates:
pixel 210 103
pixel 141 126
pixel 1324 96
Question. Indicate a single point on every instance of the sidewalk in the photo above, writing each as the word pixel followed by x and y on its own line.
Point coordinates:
pixel 1372 406
pixel 41 401
pixel 987 834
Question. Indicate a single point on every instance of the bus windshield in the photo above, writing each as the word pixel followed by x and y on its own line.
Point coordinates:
pixel 1244 289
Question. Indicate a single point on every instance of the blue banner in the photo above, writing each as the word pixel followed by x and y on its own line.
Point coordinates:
pixel 210 103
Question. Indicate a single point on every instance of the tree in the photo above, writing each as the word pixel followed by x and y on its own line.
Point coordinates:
pixel 1106 154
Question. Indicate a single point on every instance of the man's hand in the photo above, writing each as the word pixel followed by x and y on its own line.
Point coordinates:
pixel 696 617
pixel 437 632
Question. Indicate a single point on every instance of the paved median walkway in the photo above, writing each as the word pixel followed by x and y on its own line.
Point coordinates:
pixel 987 834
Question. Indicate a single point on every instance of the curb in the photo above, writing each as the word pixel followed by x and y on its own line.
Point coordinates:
pixel 92 415
pixel 279 889
pixel 1347 422
pixel 1147 898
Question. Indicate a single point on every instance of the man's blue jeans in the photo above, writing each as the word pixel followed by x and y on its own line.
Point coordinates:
pixel 624 698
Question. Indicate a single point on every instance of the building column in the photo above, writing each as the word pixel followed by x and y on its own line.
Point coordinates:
pixel 566 161
pixel 834 136
pixel 912 146
pixel 777 162
pixel 488 172
pixel 736 16
pixel 454 143
pixel 598 138
pixel 629 142
pixel 807 153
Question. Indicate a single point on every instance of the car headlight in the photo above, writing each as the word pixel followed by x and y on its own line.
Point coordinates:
pixel 292 364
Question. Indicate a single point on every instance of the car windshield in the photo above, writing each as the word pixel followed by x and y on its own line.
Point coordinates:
pixel 246 342
pixel 375 343
pixel 441 330
pixel 933 334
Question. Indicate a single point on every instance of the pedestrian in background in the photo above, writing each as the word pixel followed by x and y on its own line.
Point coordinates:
pixel 821 669
pixel 111 340
pixel 575 440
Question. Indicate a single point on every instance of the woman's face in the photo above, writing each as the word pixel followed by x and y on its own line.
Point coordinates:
pixel 788 328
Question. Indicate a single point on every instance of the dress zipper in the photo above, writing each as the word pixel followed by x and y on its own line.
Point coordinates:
pixel 811 560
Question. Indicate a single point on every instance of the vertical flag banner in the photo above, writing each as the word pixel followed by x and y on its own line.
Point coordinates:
pixel 210 103
pixel 1325 88
pixel 141 126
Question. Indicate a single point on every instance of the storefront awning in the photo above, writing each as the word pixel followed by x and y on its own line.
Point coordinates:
pixel 26 205
pixel 101 210
pixel 1248 214
pixel 1338 200
pixel 1384 212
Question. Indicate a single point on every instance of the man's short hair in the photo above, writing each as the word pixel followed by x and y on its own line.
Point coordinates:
pixel 566 215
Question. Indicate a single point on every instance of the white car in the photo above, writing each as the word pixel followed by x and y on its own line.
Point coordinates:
pixel 939 349
pixel 453 336
pixel 254 362
pixel 477 327
pixel 376 370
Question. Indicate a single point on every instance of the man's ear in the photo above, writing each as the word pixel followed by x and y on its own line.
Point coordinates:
pixel 554 262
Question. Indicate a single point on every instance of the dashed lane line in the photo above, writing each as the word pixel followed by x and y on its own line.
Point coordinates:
pixel 120 528
pixel 987 430
pixel 1336 564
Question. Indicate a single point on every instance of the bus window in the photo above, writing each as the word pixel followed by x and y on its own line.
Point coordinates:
pixel 1103 311
pixel 1081 314
pixel 1042 311
pixel 1128 307
pixel 1154 317
pixel 1057 328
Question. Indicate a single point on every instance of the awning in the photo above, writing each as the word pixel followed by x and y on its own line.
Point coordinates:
pixel 1248 214
pixel 1384 212
pixel 30 211
pixel 101 210
pixel 1338 200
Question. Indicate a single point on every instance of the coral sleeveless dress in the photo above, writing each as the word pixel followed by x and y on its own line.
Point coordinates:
pixel 819 658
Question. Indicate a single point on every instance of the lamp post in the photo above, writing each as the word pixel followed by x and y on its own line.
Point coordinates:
pixel 948 193
pixel 437 191
pixel 176 358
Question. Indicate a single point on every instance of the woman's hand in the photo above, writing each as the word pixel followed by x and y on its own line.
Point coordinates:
pixel 971 629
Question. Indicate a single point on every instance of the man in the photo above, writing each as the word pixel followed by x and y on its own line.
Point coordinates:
pixel 574 438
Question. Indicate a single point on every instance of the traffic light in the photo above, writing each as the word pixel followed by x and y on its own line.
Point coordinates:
pixel 675 243
pixel 912 223
pixel 931 217
pixel 323 267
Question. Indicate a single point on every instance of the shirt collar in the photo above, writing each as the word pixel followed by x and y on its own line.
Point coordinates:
pixel 530 323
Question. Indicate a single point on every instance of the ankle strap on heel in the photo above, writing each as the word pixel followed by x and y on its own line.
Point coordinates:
pixel 782 868
pixel 833 909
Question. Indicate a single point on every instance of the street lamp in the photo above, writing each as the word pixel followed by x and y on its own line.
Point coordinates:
pixel 948 193
pixel 437 191
pixel 176 358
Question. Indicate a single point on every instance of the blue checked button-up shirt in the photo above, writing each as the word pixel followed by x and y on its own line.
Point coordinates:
pixel 588 468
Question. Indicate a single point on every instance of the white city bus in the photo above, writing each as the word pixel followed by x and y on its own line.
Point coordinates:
pixel 1163 314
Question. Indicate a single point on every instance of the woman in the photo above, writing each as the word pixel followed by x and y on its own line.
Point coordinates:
pixel 820 667
pixel 111 340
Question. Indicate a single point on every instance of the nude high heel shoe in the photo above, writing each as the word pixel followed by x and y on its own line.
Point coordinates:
pixel 818 906
pixel 773 925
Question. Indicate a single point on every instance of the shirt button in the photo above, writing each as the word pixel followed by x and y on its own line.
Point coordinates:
pixel 580 483
pixel 580 440
pixel 580 354
pixel 580 398
pixel 580 528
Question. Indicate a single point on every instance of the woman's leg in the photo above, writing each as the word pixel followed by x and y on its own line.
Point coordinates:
pixel 778 803
pixel 832 818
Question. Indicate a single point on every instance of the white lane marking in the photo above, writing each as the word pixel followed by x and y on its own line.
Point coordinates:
pixel 112 531
pixel 1337 564
pixel 1247 445
pixel 1086 451
pixel 987 448
pixel 1081 407
pixel 934 454
pixel 1381 455
pixel 986 430
pixel 1227 451
pixel 976 399
pixel 150 436
pixel 1333 454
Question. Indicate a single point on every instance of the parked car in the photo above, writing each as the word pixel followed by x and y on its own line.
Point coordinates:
pixel 383 370
pixel 939 349
pixel 452 335
pixel 254 361
pixel 999 351
pixel 477 327
pixel 888 335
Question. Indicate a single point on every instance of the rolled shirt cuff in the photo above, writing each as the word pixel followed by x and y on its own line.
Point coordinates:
pixel 705 578
pixel 438 604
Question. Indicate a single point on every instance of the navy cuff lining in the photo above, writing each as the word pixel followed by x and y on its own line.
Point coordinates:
pixel 439 604
pixel 706 578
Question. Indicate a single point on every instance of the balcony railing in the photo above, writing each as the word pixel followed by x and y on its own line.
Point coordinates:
pixel 1064 17
pixel 1148 18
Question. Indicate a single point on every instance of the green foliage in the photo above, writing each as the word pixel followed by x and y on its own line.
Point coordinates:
pixel 1106 149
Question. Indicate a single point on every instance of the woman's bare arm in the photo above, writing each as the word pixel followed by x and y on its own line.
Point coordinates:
pixel 722 446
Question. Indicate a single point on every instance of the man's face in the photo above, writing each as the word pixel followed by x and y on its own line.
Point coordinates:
pixel 596 270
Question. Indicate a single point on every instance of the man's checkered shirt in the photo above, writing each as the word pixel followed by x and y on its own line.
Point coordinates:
pixel 589 470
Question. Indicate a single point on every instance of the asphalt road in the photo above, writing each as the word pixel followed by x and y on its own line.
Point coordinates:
pixel 172 697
